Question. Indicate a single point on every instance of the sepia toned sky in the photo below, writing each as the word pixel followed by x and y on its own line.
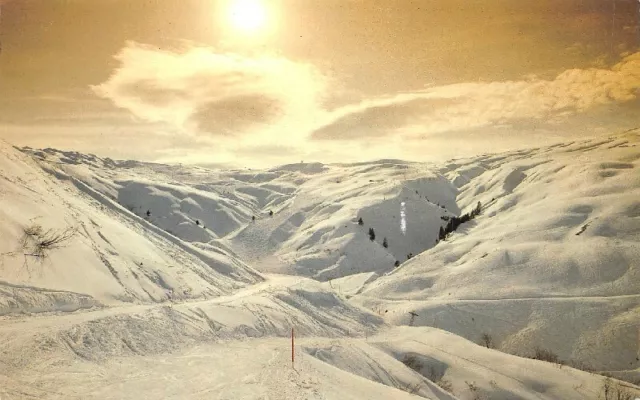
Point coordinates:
pixel 264 82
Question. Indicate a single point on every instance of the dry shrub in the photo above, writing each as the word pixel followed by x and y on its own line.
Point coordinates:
pixel 38 243
pixel 545 355
pixel 612 390
pixel 486 340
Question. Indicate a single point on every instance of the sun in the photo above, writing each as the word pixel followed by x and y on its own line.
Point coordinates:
pixel 247 16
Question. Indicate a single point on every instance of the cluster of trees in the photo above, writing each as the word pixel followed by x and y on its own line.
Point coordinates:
pixel 385 242
pixel 372 237
pixel 455 222
pixel 372 234
pixel 452 225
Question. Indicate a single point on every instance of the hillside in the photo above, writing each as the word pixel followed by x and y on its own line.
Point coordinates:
pixel 551 262
pixel 112 255
pixel 164 285
pixel 313 231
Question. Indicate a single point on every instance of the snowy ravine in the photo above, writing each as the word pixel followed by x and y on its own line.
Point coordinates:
pixel 184 282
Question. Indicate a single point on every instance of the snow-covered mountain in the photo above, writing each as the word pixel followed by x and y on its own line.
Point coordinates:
pixel 113 256
pixel 185 282
pixel 314 228
pixel 552 262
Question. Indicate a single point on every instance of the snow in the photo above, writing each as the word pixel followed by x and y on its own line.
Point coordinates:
pixel 197 300
pixel 552 260
pixel 114 257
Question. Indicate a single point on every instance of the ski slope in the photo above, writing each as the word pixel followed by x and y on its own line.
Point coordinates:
pixel 551 262
pixel 169 288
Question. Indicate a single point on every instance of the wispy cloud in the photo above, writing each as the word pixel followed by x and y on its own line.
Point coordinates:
pixel 265 109
pixel 475 105
pixel 222 94
pixel 228 95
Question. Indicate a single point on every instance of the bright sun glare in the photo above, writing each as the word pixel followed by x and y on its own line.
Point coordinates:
pixel 248 15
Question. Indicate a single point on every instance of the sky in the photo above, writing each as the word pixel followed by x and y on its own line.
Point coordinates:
pixel 256 83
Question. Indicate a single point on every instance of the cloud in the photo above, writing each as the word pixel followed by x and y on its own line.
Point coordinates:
pixel 222 94
pixel 259 97
pixel 380 117
pixel 230 115
pixel 258 110
pixel 474 105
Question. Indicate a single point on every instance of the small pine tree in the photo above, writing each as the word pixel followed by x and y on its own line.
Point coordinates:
pixel 409 256
pixel 360 221
pixel 478 208
pixel 198 222
pixel 442 235
pixel 372 234
pixel 396 264
pixel 271 213
pixel 385 244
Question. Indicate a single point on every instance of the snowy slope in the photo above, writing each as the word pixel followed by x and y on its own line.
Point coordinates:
pixel 113 257
pixel 169 305
pixel 551 262
pixel 466 369
pixel 324 368
pixel 313 231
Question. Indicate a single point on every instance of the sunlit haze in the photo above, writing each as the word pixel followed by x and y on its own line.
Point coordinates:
pixel 248 15
pixel 263 82
pixel 320 199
